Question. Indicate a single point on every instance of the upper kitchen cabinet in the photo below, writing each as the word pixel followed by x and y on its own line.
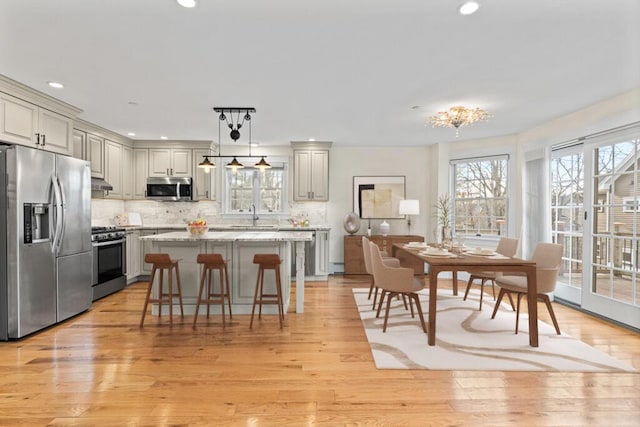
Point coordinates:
pixel 113 168
pixel 32 118
pixel 204 183
pixel 141 172
pixel 79 145
pixel 170 162
pixel 311 171
pixel 127 172
pixel 95 154
pixel 27 124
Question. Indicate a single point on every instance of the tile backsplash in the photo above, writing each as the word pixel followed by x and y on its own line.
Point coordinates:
pixel 104 211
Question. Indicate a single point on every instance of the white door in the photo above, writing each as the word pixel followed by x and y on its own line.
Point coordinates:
pixel 595 206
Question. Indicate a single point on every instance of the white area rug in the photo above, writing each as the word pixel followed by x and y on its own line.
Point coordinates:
pixel 468 339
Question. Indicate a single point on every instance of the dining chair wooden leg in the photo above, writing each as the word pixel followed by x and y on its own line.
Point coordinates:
pixel 411 305
pixel 416 297
pixel 495 309
pixel 404 300
pixel 375 298
pixel 371 288
pixel 469 283
pixel 386 314
pixel 547 302
pixel 382 294
pixel 518 298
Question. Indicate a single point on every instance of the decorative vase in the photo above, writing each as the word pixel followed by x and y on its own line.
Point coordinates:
pixel 351 222
pixel 384 228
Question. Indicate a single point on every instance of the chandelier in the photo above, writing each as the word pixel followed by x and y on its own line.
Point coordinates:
pixel 234 118
pixel 457 117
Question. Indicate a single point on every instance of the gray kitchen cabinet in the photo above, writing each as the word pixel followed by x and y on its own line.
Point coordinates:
pixel 170 162
pixel 133 255
pixel 311 171
pixel 24 123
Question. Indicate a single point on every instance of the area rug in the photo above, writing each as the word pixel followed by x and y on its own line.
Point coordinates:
pixel 468 339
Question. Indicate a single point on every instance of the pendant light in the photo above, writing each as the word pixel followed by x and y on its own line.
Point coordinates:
pixel 262 165
pixel 234 165
pixel 206 164
pixel 235 123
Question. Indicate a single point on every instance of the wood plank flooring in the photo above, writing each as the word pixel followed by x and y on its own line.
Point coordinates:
pixel 101 369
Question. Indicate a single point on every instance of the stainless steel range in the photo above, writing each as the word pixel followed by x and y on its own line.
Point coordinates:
pixel 109 260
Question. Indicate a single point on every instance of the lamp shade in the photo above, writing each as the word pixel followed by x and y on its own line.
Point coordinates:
pixel 409 207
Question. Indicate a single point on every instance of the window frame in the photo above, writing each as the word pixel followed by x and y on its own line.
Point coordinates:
pixel 276 163
pixel 502 229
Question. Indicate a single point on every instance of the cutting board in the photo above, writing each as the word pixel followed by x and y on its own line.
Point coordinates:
pixel 134 219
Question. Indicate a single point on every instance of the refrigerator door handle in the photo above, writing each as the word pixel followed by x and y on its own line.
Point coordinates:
pixel 57 236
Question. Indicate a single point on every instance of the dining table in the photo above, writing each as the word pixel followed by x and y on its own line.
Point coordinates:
pixel 471 262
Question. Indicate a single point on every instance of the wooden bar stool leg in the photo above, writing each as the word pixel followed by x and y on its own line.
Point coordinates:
pixel 279 297
pixel 255 299
pixel 146 300
pixel 170 274
pixel 179 290
pixel 222 296
pixel 226 280
pixel 209 293
pixel 199 300
pixel 160 293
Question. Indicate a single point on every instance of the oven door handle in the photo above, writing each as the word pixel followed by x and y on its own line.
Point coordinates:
pixel 108 243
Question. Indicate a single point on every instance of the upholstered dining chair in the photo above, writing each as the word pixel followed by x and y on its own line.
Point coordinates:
pixel 506 247
pixel 395 281
pixel 389 261
pixel 548 258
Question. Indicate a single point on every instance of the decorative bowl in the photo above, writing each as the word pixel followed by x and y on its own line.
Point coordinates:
pixel 197 230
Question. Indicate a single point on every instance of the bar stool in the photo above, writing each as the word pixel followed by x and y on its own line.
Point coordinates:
pixel 209 263
pixel 267 262
pixel 163 262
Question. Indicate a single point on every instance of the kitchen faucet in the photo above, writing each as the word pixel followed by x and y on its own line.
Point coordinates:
pixel 254 217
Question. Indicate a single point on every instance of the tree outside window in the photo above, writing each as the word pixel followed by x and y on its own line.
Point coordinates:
pixel 250 186
pixel 480 196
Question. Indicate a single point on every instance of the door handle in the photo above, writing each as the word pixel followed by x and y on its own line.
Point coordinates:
pixel 43 139
pixel 37 139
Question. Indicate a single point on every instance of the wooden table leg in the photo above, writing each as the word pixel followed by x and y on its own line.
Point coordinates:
pixel 532 303
pixel 433 299
pixel 455 282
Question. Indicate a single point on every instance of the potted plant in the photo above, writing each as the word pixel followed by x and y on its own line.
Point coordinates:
pixel 443 216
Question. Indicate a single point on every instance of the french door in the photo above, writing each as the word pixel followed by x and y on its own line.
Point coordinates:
pixel 595 213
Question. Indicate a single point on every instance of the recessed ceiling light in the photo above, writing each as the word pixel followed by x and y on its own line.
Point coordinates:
pixel 164 137
pixel 187 3
pixel 56 85
pixel 311 139
pixel 131 134
pixel 415 107
pixel 468 8
pixel 255 144
pixel 133 103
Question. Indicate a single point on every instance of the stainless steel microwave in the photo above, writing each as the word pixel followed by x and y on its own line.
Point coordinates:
pixel 171 188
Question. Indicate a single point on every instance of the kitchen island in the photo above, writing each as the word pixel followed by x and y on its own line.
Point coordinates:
pixel 238 248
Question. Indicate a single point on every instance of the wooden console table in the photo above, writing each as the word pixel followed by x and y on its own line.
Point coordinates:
pixel 353 258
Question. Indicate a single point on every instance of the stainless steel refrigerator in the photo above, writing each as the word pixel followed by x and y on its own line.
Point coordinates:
pixel 45 239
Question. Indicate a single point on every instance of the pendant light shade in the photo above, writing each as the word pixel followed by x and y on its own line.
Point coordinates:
pixel 206 164
pixel 235 164
pixel 262 164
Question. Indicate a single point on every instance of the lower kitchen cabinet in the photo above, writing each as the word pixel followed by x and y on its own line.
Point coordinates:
pixel 322 253
pixel 133 255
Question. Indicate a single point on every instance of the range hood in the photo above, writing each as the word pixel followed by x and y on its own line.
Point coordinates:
pixel 99 184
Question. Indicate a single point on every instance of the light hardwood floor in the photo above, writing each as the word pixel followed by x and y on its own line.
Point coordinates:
pixel 100 368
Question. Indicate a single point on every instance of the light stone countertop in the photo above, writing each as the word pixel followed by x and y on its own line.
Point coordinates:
pixel 232 227
pixel 233 236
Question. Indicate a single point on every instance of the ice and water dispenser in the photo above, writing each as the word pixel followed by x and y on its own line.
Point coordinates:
pixel 36 222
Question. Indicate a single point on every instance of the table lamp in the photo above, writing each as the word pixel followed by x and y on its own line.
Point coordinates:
pixel 409 207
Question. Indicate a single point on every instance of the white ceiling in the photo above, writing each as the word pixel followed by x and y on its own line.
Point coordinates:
pixel 347 71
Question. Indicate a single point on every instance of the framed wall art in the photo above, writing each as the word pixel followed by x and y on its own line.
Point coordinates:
pixel 378 197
